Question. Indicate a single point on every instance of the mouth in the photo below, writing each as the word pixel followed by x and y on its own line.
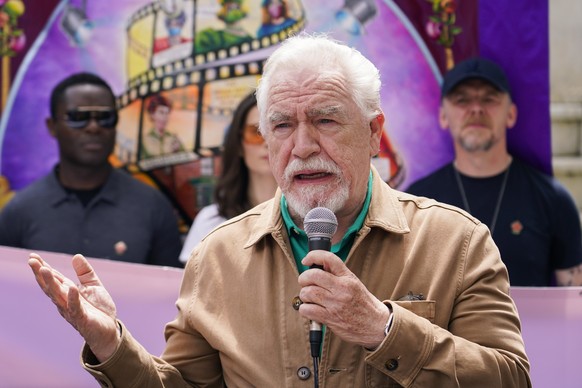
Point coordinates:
pixel 94 146
pixel 312 176
pixel 475 125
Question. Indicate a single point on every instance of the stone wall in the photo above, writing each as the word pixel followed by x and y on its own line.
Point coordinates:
pixel 566 93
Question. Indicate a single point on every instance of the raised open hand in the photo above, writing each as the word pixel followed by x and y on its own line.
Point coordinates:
pixel 88 307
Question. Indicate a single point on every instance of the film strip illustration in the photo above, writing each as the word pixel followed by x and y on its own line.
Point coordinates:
pixel 206 44
pixel 163 81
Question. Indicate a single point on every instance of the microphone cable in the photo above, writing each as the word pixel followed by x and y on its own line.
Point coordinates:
pixel 316 372
pixel 315 339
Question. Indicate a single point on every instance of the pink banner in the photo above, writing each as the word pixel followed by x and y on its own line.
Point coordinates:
pixel 39 349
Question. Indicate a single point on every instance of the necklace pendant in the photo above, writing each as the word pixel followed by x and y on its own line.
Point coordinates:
pixel 498 202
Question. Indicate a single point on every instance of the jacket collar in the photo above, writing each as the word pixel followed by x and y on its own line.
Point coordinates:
pixel 385 212
pixel 109 193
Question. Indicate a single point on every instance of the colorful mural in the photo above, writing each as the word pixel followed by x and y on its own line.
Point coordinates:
pixel 179 67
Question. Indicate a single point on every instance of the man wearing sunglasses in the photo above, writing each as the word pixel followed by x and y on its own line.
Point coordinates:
pixel 84 205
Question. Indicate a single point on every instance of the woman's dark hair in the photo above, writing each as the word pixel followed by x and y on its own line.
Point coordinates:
pixel 230 193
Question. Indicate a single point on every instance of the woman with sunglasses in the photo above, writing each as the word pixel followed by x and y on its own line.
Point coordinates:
pixel 245 180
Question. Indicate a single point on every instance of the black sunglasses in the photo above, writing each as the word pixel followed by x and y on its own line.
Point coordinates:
pixel 79 119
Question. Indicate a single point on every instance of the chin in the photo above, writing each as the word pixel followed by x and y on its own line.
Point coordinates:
pixel 301 203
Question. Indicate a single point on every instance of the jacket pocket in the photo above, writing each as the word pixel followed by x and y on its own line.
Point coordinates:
pixel 422 308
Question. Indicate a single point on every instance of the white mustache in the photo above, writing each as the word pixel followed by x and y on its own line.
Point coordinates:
pixel 316 164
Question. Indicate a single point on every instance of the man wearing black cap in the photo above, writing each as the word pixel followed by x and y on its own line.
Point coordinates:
pixel 532 218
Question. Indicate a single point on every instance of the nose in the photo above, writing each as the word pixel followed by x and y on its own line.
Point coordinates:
pixel 306 141
pixel 92 125
pixel 476 105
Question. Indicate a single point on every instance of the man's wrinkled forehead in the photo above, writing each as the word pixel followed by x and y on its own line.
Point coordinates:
pixel 333 110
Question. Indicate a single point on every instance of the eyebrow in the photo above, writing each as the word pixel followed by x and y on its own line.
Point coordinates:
pixel 276 117
pixel 332 110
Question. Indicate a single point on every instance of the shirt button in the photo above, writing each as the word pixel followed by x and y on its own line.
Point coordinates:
pixel 392 364
pixel 296 303
pixel 303 373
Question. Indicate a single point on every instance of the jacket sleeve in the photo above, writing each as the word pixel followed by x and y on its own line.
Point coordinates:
pixel 131 366
pixel 187 350
pixel 482 346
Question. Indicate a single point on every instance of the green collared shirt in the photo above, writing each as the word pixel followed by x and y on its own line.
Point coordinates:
pixel 298 237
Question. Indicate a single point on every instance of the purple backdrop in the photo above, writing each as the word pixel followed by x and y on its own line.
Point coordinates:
pixel 514 33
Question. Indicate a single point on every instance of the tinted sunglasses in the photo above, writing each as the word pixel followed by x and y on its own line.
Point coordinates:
pixel 79 119
pixel 251 135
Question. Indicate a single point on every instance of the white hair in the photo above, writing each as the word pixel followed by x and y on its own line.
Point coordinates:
pixel 318 53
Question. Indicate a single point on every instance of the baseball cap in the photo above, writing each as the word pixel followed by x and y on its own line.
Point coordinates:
pixel 476 67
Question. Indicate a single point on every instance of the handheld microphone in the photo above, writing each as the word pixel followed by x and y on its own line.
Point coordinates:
pixel 320 225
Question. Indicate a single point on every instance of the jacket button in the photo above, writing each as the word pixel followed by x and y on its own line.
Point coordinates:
pixel 296 303
pixel 392 364
pixel 303 373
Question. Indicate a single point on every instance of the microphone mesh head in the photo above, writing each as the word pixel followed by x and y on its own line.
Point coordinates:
pixel 320 221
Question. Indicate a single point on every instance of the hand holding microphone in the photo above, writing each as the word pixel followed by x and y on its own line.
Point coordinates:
pixel 320 225
pixel 365 313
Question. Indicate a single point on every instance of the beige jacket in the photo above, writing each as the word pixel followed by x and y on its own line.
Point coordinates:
pixel 236 324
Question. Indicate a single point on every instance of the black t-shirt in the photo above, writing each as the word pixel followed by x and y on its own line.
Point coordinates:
pixel 538 225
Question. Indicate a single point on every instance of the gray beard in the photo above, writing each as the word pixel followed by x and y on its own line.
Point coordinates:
pixel 300 205
pixel 474 147
pixel 315 196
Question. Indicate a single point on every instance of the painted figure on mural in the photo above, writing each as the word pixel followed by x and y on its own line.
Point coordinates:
pixel 158 141
pixel 174 25
pixel 275 17
pixel 231 13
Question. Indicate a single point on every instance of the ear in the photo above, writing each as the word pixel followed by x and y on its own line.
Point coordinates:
pixel 51 125
pixel 511 116
pixel 443 120
pixel 376 129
